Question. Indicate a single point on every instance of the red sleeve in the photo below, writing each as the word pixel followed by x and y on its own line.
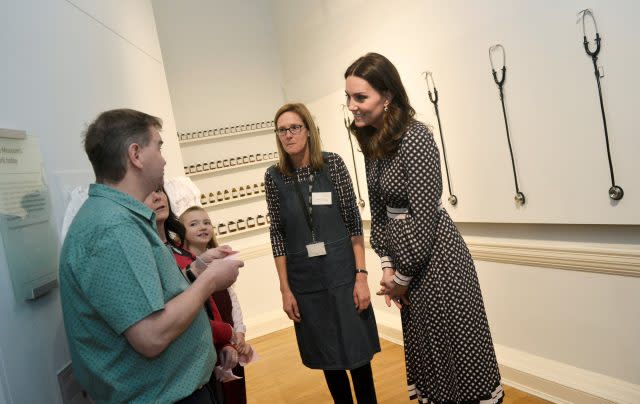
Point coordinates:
pixel 222 332
pixel 183 258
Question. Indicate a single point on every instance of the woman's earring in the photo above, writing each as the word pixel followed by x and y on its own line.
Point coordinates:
pixel 386 107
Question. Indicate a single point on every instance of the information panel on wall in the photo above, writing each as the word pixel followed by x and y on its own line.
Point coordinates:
pixel 28 235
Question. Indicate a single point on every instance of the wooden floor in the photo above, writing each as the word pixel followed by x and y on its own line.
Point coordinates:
pixel 280 377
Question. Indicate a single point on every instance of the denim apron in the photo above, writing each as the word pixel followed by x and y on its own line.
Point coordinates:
pixel 331 333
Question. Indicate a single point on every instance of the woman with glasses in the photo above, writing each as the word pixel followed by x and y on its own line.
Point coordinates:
pixel 318 247
pixel 427 269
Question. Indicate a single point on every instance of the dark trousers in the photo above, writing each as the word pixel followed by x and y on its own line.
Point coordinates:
pixel 338 383
pixel 204 395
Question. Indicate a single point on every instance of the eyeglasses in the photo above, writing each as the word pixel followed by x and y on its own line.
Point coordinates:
pixel 294 129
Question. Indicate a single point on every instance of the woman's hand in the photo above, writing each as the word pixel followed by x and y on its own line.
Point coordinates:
pixel 290 306
pixel 216 253
pixel 391 290
pixel 228 357
pixel 203 260
pixel 361 294
pixel 241 345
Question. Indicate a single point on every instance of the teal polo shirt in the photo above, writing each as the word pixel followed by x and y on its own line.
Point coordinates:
pixel 115 271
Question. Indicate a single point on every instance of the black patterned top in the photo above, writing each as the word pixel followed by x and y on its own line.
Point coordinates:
pixel 409 184
pixel 344 188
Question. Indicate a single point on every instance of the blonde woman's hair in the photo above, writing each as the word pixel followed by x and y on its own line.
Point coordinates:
pixel 213 242
pixel 314 144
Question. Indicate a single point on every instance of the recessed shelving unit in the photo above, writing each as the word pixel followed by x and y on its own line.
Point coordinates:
pixel 209 138
pixel 230 145
pixel 209 205
pixel 234 167
pixel 244 231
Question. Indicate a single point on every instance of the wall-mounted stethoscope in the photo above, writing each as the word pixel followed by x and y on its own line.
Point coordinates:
pixel 347 124
pixel 519 197
pixel 615 192
pixel 433 97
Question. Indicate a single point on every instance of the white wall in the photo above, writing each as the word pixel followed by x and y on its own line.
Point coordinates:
pixel 317 40
pixel 221 61
pixel 551 96
pixel 229 63
pixel 65 62
pixel 583 320
pixel 223 69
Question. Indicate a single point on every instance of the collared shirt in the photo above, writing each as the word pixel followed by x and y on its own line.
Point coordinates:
pixel 114 272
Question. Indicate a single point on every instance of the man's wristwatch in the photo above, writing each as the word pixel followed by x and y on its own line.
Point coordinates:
pixel 363 271
pixel 190 275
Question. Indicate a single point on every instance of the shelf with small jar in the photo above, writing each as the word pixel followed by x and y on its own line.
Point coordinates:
pixel 232 163
pixel 220 133
pixel 241 226
pixel 232 195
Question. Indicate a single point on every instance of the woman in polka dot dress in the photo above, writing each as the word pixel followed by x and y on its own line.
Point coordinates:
pixel 427 269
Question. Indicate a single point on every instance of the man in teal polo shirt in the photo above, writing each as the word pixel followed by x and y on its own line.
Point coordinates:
pixel 136 328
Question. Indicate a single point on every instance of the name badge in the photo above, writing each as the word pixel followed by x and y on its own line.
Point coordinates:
pixel 321 198
pixel 316 249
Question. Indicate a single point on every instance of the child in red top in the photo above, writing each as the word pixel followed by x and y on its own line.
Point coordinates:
pixel 199 238
pixel 170 228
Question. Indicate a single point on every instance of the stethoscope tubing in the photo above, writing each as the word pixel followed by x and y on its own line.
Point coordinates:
pixel 519 197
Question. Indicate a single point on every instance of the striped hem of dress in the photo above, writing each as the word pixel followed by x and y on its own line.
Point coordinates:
pixel 496 397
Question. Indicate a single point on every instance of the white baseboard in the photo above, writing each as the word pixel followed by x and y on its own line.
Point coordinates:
pixel 573 379
pixel 545 389
pixel 389 327
pixel 551 380
pixel 266 323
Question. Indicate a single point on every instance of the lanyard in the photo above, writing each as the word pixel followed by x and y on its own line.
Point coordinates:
pixel 308 212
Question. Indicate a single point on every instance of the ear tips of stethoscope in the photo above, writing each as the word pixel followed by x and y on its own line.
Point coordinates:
pixel 429 75
pixel 345 113
pixel 582 15
pixel 493 49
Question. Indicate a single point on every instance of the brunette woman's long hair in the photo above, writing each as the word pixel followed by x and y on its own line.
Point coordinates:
pixel 382 75
pixel 173 229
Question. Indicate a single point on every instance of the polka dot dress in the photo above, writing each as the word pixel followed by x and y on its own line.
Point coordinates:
pixel 448 348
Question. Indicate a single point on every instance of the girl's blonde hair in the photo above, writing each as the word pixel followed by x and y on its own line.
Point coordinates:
pixel 213 242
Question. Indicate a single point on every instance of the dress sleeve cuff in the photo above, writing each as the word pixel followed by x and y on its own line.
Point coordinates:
pixel 386 262
pixel 401 280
